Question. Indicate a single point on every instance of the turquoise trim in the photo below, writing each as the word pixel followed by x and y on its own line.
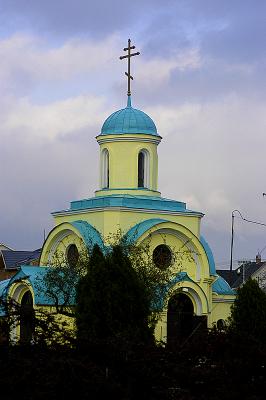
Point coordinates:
pixel 180 277
pixel 138 230
pixel 209 255
pixel 3 286
pixel 220 286
pixel 35 277
pixel 129 120
pixel 89 234
pixel 155 203
pixel 3 295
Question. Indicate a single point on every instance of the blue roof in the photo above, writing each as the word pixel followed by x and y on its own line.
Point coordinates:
pixel 137 230
pixel 209 254
pixel 35 276
pixel 89 234
pixel 133 202
pixel 180 277
pixel 129 120
pixel 3 293
pixel 220 286
pixel 3 285
pixel 14 258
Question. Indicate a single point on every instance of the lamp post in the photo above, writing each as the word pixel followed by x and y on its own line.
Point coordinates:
pixel 232 232
pixel 232 238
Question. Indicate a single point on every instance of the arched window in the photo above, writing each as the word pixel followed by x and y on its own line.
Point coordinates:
pixel 72 255
pixel 105 169
pixel 143 169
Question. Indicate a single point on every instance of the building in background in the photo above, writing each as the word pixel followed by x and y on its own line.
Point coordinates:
pixel 247 270
pixel 11 260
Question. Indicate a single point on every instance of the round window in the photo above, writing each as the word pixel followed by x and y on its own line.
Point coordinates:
pixel 72 255
pixel 162 256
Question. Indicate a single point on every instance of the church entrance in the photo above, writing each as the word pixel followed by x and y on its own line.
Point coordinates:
pixel 26 318
pixel 181 321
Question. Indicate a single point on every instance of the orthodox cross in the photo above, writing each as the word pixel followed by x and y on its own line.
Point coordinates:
pixel 128 56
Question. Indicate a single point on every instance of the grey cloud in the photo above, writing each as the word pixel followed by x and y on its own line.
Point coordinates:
pixel 69 17
pixel 228 30
pixel 37 177
pixel 210 82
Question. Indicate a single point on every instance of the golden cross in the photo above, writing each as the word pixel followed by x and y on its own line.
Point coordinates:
pixel 128 56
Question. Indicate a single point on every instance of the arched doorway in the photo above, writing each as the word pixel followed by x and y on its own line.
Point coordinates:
pixel 180 318
pixel 26 318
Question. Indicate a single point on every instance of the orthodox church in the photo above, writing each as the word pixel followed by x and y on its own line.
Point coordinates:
pixel 128 200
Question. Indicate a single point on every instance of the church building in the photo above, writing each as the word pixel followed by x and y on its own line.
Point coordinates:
pixel 128 199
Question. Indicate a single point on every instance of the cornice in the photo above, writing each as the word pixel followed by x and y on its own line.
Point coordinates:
pixel 101 139
pixel 125 209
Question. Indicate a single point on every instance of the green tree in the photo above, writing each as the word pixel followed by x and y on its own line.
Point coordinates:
pixel 111 301
pixel 248 313
pixel 60 282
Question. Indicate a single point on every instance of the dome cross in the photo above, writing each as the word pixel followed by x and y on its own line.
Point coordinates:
pixel 128 56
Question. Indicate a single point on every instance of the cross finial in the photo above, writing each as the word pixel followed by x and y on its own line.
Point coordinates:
pixel 128 56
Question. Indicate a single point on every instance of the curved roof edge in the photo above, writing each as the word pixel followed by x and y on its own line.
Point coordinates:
pixel 137 230
pixel 34 275
pixel 3 293
pixel 89 234
pixel 179 277
pixel 220 286
pixel 209 254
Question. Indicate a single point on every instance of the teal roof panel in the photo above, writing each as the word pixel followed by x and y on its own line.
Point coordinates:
pixel 3 293
pixel 35 276
pixel 209 254
pixel 133 202
pixel 220 286
pixel 129 120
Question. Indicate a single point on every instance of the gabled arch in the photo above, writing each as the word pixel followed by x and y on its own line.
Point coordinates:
pixel 144 169
pixel 144 229
pixel 81 233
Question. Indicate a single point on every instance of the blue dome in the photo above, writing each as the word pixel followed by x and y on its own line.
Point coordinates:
pixel 129 120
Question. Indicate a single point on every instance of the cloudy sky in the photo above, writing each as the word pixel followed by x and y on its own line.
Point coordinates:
pixel 200 76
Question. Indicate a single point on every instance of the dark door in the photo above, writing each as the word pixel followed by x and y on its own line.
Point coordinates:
pixel 179 318
pixel 26 318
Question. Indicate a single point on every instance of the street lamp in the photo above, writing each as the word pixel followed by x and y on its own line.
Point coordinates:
pixel 232 232
pixel 232 239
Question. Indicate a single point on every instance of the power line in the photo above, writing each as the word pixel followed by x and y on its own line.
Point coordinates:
pixel 232 232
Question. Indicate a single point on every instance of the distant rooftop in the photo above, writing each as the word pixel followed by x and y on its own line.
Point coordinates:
pixel 246 270
pixel 13 259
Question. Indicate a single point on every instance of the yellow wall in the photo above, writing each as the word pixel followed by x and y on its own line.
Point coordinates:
pixel 221 308
pixel 110 220
pixel 16 292
pixel 123 161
